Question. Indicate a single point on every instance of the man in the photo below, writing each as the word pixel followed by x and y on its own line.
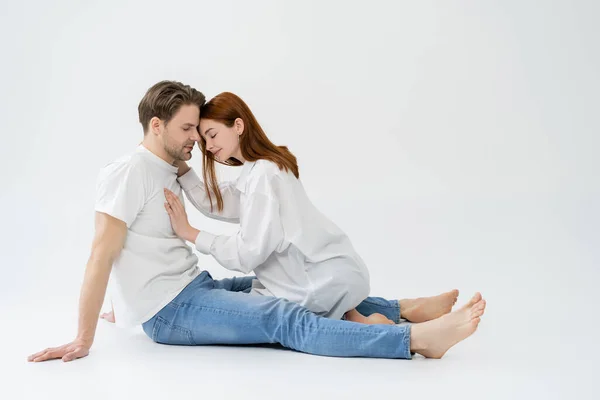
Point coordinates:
pixel 158 283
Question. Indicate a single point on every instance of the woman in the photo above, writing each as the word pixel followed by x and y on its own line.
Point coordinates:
pixel 295 252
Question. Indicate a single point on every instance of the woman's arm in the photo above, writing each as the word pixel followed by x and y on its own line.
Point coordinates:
pixel 260 234
pixel 196 193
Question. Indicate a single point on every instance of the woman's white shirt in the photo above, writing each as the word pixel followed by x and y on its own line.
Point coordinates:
pixel 295 251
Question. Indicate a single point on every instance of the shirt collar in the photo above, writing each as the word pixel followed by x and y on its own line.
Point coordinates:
pixel 156 159
pixel 243 178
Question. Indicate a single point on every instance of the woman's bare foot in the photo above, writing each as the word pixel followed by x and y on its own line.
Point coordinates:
pixel 433 339
pixel 373 319
pixel 428 308
pixel 109 316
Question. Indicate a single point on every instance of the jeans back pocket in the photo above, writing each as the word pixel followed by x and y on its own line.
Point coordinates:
pixel 165 333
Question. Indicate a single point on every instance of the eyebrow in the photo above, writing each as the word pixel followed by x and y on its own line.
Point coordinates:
pixel 208 130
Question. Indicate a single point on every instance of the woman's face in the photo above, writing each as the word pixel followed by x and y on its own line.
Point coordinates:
pixel 222 141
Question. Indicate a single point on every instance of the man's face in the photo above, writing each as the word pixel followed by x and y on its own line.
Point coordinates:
pixel 181 133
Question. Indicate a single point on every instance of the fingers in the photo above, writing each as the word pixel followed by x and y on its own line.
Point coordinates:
pixel 170 197
pixel 47 354
pixel 174 203
pixel 38 354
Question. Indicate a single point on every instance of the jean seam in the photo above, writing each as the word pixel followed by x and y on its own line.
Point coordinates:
pixel 221 311
pixel 344 330
pixel 156 328
pixel 379 304
pixel 406 342
pixel 186 332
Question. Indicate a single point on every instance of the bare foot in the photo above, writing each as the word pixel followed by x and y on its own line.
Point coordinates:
pixel 373 319
pixel 109 316
pixel 428 308
pixel 433 339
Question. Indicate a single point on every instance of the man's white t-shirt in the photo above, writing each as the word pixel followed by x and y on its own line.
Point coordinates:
pixel 154 265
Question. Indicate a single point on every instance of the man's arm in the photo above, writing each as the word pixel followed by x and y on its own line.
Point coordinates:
pixel 108 241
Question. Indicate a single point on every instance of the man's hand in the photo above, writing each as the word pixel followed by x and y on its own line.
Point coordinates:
pixel 179 218
pixel 68 352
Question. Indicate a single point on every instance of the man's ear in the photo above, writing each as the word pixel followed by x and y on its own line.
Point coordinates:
pixel 155 125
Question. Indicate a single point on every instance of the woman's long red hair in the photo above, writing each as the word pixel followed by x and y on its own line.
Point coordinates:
pixel 254 143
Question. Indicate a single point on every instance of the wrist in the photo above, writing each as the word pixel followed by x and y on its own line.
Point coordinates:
pixel 85 340
pixel 183 169
pixel 192 234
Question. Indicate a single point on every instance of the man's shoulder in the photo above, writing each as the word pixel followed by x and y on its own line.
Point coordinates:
pixel 132 163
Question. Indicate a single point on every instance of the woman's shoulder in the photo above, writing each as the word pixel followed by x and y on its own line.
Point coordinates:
pixel 268 167
pixel 266 172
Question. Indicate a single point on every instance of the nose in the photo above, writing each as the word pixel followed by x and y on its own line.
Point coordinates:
pixel 210 143
pixel 195 136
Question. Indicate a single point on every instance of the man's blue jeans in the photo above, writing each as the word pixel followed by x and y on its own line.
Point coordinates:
pixel 211 311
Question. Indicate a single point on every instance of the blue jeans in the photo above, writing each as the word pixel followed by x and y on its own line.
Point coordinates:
pixel 211 311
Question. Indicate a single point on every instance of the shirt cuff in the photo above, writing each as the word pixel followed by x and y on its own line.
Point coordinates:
pixel 204 242
pixel 189 180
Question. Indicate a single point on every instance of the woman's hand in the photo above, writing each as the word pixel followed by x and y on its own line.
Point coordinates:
pixel 183 168
pixel 179 218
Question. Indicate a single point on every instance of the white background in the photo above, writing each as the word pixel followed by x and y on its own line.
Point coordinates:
pixel 455 142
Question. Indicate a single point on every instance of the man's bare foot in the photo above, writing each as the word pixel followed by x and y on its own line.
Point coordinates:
pixel 433 339
pixel 373 319
pixel 427 308
pixel 109 316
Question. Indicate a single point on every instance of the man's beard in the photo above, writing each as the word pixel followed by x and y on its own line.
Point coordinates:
pixel 173 150
pixel 177 153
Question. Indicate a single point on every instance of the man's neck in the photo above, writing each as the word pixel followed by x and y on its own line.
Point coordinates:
pixel 158 150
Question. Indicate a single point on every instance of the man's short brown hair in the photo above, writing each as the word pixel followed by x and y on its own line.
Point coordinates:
pixel 164 99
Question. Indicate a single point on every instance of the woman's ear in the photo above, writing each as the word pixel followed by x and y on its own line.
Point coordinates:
pixel 239 125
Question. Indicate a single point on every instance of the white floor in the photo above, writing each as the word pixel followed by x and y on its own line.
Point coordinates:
pixel 503 362
pixel 538 339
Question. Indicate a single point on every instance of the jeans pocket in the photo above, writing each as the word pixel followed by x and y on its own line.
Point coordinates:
pixel 166 333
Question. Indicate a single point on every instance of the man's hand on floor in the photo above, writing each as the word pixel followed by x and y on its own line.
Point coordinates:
pixel 68 352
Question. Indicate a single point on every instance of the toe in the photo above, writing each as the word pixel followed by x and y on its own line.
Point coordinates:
pixel 475 298
pixel 476 313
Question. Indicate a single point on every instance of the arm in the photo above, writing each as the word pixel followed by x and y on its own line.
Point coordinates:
pixel 196 193
pixel 107 244
pixel 260 234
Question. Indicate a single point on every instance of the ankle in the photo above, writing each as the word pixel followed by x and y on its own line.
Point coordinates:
pixel 416 343
pixel 405 306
